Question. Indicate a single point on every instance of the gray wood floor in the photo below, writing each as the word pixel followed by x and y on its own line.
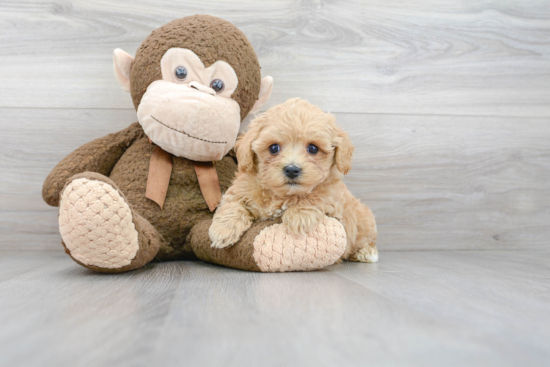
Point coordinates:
pixel 423 308
pixel 448 104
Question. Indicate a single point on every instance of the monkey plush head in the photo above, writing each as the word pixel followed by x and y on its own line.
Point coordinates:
pixel 192 82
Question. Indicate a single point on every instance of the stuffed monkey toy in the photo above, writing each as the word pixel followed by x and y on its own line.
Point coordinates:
pixel 148 192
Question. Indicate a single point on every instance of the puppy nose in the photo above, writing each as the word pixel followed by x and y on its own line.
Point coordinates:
pixel 292 171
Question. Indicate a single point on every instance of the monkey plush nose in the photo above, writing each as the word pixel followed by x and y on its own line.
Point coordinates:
pixel 292 171
pixel 202 88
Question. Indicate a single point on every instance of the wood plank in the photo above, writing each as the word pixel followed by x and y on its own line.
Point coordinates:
pixel 434 182
pixel 503 292
pixel 453 182
pixel 462 58
pixel 413 308
pixel 14 263
pixel 64 314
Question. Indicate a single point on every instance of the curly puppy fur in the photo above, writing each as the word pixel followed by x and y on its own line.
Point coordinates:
pixel 262 190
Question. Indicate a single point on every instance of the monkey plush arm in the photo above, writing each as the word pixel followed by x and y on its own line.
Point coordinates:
pixel 99 156
pixel 269 246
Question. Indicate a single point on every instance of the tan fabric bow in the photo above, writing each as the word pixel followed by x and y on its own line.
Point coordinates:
pixel 160 170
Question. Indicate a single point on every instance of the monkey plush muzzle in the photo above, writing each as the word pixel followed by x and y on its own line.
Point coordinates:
pixel 189 121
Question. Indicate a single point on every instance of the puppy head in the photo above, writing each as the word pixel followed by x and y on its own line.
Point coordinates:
pixel 294 147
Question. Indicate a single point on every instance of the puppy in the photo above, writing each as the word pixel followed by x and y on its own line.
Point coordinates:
pixel 291 163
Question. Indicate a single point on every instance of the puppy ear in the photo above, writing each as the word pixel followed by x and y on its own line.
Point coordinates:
pixel 343 152
pixel 243 147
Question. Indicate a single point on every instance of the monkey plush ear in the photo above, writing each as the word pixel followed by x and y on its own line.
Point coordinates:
pixel 123 65
pixel 265 92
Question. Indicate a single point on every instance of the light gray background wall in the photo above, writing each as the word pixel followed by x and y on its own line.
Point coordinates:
pixel 448 104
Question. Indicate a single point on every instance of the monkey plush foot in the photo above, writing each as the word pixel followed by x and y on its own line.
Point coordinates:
pixel 268 246
pixel 99 229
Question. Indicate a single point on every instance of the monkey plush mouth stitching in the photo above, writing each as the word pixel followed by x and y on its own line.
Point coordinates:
pixel 184 133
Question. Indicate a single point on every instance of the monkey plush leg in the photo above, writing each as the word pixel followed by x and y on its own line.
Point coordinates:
pixel 268 246
pixel 99 228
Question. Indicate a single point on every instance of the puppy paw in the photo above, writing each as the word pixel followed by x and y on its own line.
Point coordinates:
pixel 365 255
pixel 224 235
pixel 301 221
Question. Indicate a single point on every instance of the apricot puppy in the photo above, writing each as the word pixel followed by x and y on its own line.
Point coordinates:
pixel 291 163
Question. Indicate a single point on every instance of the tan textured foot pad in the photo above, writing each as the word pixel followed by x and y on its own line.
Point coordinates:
pixel 278 250
pixel 96 224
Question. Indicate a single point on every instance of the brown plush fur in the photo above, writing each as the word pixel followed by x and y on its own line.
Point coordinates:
pixel 99 156
pixel 124 157
pixel 238 256
pixel 211 39
pixel 261 190
pixel 184 205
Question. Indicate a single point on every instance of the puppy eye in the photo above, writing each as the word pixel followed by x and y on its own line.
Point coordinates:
pixel 274 149
pixel 181 73
pixel 217 85
pixel 312 149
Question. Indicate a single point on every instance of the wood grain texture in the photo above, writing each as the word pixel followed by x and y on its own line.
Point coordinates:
pixel 412 308
pixel 453 182
pixel 463 58
pixel 433 182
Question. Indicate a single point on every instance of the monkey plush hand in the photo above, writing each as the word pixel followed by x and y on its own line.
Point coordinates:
pixel 148 192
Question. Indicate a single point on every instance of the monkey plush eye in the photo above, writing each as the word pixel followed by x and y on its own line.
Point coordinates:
pixel 217 85
pixel 181 73
pixel 274 149
pixel 312 149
